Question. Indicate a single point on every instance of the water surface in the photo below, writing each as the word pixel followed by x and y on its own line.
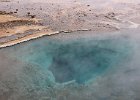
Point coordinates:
pixel 55 62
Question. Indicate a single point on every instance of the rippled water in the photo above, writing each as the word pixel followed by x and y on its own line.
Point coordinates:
pixel 51 66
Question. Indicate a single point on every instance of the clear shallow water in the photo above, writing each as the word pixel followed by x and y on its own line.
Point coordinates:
pixel 32 68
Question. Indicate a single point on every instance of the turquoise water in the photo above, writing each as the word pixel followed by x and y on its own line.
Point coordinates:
pixel 47 66
pixel 79 59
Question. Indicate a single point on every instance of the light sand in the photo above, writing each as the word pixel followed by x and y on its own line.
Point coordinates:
pixel 112 15
pixel 19 30
pixel 27 38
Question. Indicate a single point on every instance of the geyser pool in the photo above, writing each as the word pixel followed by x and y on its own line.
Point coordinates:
pixel 78 59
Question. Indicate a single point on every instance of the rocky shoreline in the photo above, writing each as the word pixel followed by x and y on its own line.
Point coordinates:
pixel 19 23
pixel 16 30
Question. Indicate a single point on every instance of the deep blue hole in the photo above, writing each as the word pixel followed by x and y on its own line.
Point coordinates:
pixel 77 59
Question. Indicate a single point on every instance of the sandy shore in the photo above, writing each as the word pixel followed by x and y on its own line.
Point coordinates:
pixel 19 23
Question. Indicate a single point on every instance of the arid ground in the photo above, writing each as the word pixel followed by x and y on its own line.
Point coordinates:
pixel 24 20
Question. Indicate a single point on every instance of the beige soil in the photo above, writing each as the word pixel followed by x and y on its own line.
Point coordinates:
pixel 57 17
pixel 13 26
